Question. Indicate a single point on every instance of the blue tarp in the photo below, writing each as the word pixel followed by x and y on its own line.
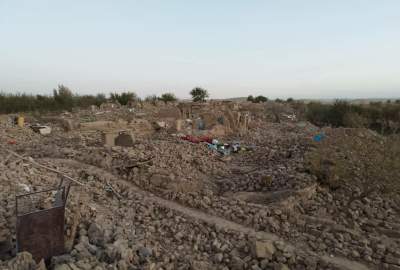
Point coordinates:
pixel 319 137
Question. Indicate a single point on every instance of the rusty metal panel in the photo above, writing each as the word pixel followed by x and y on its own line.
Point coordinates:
pixel 41 233
pixel 40 221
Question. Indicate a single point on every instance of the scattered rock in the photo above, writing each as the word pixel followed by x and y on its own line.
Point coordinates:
pixel 264 249
pixel 96 234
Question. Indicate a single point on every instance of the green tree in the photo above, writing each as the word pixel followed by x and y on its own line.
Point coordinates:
pixel 315 113
pixel 124 98
pixel 63 97
pixel 168 97
pixel 100 99
pixel 88 100
pixel 250 98
pixel 199 94
pixel 337 113
pixel 45 103
pixel 260 99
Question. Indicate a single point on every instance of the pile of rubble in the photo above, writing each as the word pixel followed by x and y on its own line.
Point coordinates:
pixel 136 230
pixel 161 202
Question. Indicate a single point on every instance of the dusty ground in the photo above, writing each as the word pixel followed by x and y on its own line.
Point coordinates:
pixel 166 203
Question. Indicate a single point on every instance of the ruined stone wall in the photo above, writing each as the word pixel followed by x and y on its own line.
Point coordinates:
pixel 217 117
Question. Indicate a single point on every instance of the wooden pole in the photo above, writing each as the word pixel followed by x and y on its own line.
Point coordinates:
pixel 30 160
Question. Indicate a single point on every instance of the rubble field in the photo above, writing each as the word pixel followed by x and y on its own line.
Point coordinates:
pixel 216 185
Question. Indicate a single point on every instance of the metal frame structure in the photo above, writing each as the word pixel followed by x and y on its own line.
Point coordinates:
pixel 41 232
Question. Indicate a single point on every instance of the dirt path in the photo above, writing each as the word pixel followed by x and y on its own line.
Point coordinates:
pixel 221 223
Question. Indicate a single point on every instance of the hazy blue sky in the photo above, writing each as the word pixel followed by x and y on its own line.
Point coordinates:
pixel 308 48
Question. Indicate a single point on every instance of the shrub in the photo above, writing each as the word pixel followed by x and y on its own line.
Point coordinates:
pixel 317 113
pixel 381 117
pixel 88 100
pixel 124 98
pixel 328 114
pixel 337 113
pixel 354 120
pixel 168 97
pixel 151 99
pixel 100 99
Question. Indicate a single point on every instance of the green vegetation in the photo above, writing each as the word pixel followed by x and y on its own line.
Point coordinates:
pixel 378 116
pixel 383 117
pixel 357 159
pixel 88 100
pixel 62 99
pixel 168 97
pixel 124 98
pixel 199 94
pixel 258 99
pixel 151 99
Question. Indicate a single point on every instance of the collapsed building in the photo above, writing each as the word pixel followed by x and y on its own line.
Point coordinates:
pixel 215 118
pixel 168 203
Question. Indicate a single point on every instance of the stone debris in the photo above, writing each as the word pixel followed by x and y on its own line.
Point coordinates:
pixel 42 130
pixel 151 200
pixel 24 261
pixel 264 249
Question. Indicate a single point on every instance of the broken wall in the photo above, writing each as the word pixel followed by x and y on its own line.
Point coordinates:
pixel 216 117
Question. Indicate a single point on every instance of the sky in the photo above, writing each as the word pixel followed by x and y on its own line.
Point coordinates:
pixel 232 48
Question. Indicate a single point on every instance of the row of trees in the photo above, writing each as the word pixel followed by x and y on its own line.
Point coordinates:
pixel 379 116
pixel 257 99
pixel 261 99
pixel 198 95
pixel 64 99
